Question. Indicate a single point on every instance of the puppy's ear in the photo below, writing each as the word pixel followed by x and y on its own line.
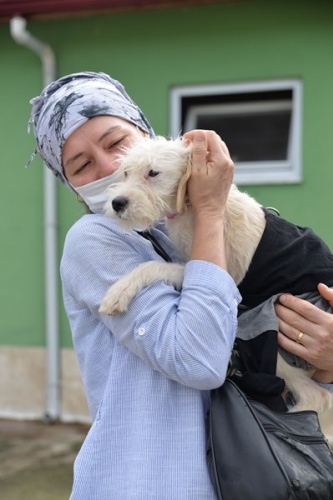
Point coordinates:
pixel 181 192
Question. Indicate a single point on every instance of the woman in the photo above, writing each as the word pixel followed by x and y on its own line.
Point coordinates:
pixel 147 373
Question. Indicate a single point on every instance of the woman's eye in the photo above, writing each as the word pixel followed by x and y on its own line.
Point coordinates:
pixel 153 173
pixel 116 143
pixel 82 167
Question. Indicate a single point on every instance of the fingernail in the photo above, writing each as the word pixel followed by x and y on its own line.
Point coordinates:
pixel 282 298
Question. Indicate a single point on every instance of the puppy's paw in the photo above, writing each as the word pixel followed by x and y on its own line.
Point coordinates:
pixel 111 306
pixel 118 297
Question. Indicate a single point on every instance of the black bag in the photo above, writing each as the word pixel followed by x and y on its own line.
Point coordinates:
pixel 259 454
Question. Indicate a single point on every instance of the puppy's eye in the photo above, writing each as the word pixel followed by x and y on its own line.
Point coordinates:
pixel 152 173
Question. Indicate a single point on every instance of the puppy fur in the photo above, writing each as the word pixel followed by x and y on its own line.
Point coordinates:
pixel 154 174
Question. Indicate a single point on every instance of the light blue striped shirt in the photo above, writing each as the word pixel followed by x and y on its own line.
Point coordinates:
pixel 147 373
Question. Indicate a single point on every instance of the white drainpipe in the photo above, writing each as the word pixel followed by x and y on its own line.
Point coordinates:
pixel 44 51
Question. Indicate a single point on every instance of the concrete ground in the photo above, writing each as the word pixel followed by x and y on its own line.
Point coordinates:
pixel 36 459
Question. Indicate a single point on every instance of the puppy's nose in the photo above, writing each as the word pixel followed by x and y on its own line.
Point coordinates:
pixel 119 203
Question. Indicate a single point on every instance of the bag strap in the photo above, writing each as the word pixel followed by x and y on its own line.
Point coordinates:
pixel 157 247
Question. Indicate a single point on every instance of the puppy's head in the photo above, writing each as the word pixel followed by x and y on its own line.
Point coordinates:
pixel 154 175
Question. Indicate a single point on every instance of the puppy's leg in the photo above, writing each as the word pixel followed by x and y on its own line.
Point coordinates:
pixel 123 291
pixel 307 393
pixel 326 424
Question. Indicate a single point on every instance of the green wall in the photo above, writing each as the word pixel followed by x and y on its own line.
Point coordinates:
pixel 150 51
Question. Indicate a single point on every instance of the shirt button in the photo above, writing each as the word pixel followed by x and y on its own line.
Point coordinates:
pixel 141 331
pixel 236 302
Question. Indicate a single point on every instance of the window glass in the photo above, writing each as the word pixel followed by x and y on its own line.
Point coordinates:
pixel 261 127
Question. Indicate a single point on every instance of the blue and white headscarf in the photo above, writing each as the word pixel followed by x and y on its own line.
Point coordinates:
pixel 69 102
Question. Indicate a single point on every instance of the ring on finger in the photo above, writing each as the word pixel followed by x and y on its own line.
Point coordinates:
pixel 299 337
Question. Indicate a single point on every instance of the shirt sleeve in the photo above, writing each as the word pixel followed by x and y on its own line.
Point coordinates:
pixel 329 387
pixel 186 336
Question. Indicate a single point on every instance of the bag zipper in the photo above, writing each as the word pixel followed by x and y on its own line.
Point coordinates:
pixel 297 437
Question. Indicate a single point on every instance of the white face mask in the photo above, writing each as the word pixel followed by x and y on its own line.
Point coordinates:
pixel 94 193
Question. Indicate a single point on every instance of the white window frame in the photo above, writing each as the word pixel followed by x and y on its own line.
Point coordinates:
pixel 265 172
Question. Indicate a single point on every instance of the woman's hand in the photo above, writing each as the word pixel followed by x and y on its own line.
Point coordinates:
pixel 211 173
pixel 316 344
pixel 208 188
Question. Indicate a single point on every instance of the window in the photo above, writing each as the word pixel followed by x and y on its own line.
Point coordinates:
pixel 260 123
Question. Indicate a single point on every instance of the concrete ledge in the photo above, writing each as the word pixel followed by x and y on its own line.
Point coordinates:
pixel 23 385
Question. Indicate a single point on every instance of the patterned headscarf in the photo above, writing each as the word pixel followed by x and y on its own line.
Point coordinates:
pixel 69 102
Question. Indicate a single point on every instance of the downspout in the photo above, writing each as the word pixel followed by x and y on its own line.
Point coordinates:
pixel 52 413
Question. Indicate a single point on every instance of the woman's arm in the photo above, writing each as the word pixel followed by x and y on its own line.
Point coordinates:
pixel 296 315
pixel 208 188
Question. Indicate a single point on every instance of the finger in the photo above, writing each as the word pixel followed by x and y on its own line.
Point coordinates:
pixel 297 348
pixel 292 331
pixel 289 321
pixel 291 324
pixel 326 293
pixel 216 145
pixel 189 136
pixel 199 150
pixel 305 309
pixel 307 349
pixel 323 376
pixel 225 149
pixel 214 142
pixel 312 343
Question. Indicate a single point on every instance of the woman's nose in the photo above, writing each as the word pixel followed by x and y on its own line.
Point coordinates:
pixel 106 165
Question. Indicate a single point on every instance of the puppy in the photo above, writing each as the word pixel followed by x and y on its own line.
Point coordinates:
pixel 154 175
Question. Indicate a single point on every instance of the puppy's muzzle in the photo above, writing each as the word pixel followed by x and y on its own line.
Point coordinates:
pixel 119 204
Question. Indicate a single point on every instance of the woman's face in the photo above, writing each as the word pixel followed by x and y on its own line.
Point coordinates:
pixel 91 151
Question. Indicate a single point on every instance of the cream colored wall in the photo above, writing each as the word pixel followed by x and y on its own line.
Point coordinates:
pixel 23 385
